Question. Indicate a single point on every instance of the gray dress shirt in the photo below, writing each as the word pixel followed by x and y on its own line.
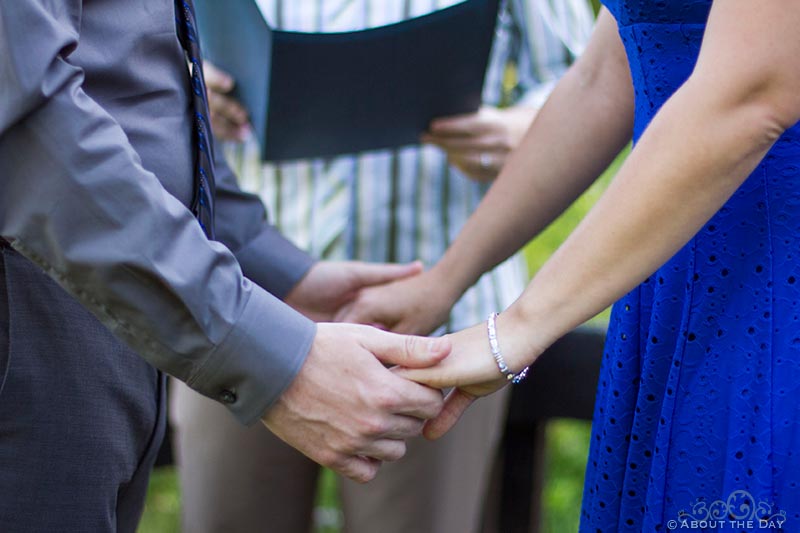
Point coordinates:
pixel 95 175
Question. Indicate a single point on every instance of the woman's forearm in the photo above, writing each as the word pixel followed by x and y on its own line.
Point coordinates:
pixel 657 202
pixel 701 146
pixel 585 123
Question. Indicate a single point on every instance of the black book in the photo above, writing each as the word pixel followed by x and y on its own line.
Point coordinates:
pixel 323 94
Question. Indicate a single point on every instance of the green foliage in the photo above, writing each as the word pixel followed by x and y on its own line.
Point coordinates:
pixel 567 450
pixel 327 512
pixel 163 505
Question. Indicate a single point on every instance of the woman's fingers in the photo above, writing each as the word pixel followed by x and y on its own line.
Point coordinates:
pixel 455 405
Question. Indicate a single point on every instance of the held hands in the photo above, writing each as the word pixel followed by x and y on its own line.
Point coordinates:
pixel 471 368
pixel 345 410
pixel 479 144
pixel 414 305
pixel 331 285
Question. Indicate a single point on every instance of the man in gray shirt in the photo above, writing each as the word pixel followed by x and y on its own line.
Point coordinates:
pixel 96 172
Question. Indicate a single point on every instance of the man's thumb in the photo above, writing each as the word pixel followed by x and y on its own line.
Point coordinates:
pixel 407 350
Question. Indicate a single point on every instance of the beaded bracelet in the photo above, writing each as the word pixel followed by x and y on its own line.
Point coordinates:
pixel 491 326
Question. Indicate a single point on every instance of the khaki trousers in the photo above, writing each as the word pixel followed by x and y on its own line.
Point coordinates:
pixel 236 479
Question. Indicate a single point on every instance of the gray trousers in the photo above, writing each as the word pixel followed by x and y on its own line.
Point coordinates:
pixel 81 415
pixel 245 480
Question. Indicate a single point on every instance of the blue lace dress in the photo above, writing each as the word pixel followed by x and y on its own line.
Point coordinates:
pixel 698 405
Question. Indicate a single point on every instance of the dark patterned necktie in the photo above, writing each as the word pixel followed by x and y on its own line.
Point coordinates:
pixel 203 203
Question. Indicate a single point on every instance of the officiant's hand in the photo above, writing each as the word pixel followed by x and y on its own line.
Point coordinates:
pixel 472 369
pixel 479 143
pixel 346 410
pixel 229 119
pixel 415 305
pixel 330 285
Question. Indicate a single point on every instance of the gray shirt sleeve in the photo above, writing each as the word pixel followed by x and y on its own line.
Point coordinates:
pixel 75 199
pixel 265 255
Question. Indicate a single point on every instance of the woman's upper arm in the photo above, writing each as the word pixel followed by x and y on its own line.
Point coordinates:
pixel 751 55
pixel 603 66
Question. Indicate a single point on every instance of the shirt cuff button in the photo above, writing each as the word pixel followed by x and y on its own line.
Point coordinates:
pixel 227 396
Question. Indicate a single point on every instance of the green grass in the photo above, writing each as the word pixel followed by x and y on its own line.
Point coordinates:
pixel 567 440
pixel 163 505
pixel 567 449
pixel 327 515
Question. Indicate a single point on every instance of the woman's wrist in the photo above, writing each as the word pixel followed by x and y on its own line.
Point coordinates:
pixel 511 375
pixel 522 335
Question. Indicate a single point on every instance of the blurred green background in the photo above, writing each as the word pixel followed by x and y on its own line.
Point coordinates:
pixel 567 440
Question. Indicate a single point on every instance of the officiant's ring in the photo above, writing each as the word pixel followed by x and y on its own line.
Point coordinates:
pixel 485 161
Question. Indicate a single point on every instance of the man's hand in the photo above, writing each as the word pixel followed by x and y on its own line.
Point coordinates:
pixel 329 285
pixel 415 305
pixel 479 143
pixel 228 118
pixel 346 410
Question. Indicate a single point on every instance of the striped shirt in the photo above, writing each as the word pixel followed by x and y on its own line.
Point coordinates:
pixel 409 203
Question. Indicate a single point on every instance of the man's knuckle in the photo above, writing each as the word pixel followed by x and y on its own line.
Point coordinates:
pixel 415 428
pixel 350 444
pixel 386 400
pixel 397 453
pixel 365 392
pixel 349 471
pixel 374 426
pixel 433 407
pixel 330 459
pixel 367 475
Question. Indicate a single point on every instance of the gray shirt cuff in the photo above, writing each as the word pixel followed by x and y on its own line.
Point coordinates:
pixel 258 359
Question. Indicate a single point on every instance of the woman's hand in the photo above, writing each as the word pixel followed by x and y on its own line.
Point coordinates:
pixel 414 305
pixel 330 285
pixel 472 369
pixel 229 120
pixel 479 143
